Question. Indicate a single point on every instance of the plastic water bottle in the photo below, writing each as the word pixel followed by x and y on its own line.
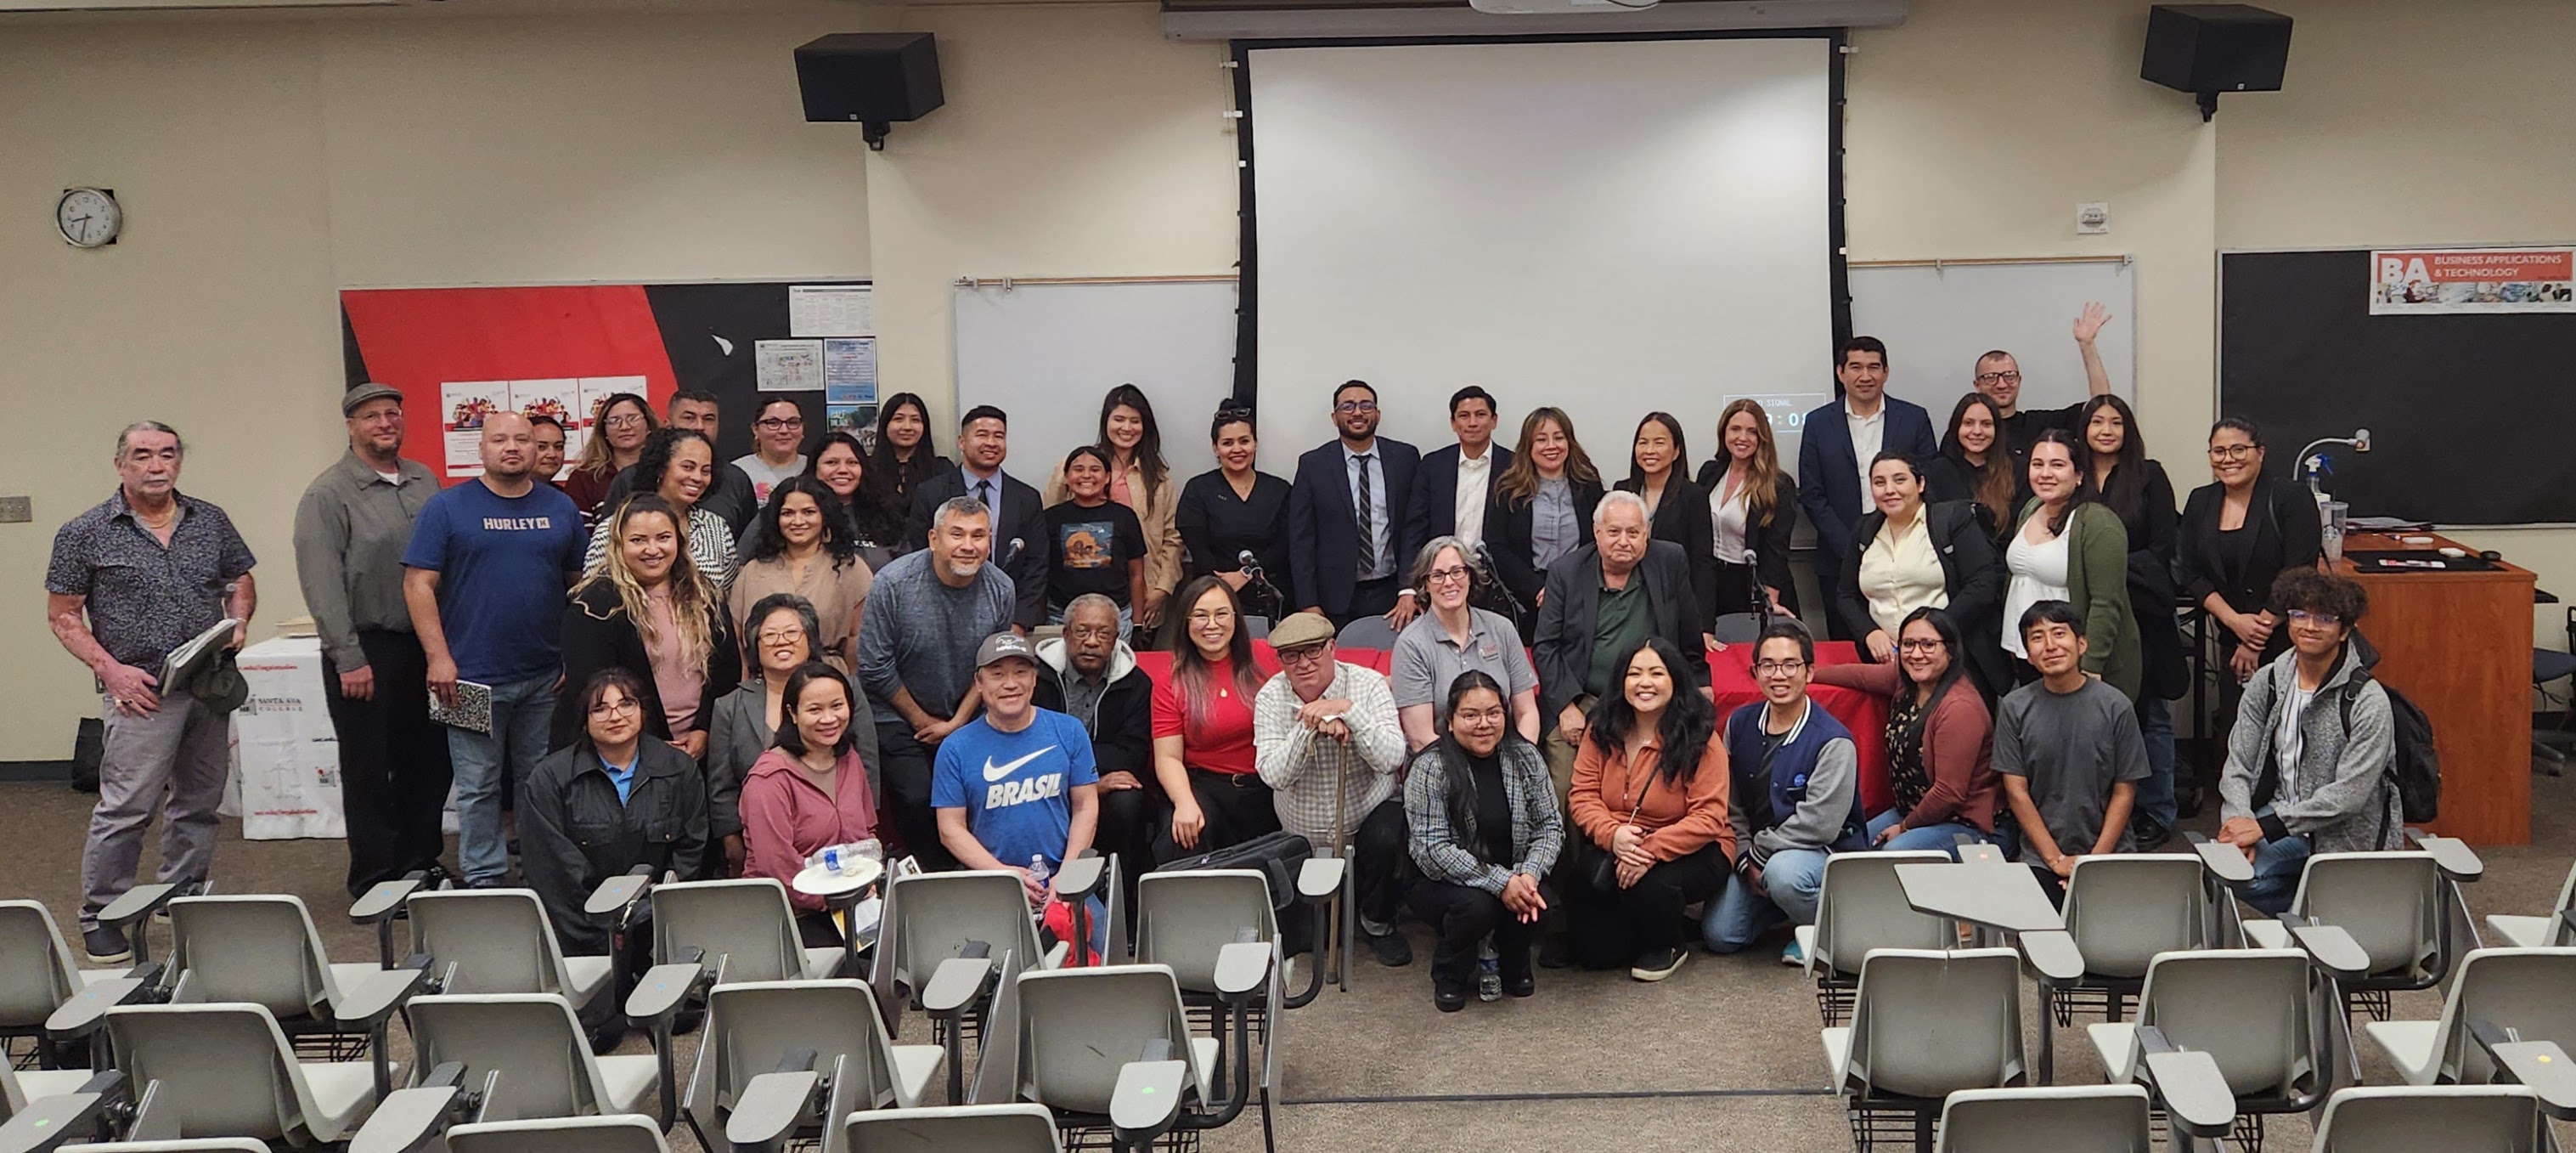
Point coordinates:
pixel 1038 870
pixel 843 859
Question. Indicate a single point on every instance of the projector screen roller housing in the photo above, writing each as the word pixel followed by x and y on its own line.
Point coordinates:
pixel 1610 227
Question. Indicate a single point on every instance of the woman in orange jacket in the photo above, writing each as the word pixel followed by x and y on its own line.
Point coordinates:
pixel 1649 794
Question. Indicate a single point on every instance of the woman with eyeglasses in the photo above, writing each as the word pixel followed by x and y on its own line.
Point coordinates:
pixel 1940 738
pixel 647 610
pixel 624 421
pixel 613 797
pixel 1234 509
pixel 1453 639
pixel 1132 443
pixel 1650 796
pixel 1203 754
pixel 1753 506
pixel 1915 554
pixel 2135 488
pixel 2239 533
pixel 1541 508
pixel 2068 547
pixel 1676 508
pixel 2307 764
pixel 777 436
pixel 778 638
pixel 1483 828
pixel 812 789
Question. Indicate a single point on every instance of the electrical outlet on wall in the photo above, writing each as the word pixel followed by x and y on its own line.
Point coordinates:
pixel 16 510
pixel 2093 216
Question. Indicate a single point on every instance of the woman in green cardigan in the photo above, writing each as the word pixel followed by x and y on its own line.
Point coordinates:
pixel 2068 546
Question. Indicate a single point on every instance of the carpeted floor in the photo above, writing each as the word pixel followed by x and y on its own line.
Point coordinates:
pixel 1724 1055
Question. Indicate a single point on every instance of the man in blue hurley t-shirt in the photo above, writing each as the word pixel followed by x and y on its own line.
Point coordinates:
pixel 1017 786
pixel 484 579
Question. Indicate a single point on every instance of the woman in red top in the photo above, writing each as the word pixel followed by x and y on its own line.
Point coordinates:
pixel 1940 739
pixel 1203 729
pixel 810 791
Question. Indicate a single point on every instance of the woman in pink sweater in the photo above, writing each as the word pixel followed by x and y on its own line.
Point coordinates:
pixel 809 791
pixel 1940 740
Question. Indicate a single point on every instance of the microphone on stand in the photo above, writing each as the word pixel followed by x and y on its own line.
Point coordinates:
pixel 1012 554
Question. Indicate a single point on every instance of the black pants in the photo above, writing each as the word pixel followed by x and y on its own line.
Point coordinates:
pixel 1613 929
pixel 905 765
pixel 1462 916
pixel 1128 820
pixel 1370 599
pixel 394 772
pixel 1378 862
pixel 1237 807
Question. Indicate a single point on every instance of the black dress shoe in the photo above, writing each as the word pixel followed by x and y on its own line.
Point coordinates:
pixel 1449 996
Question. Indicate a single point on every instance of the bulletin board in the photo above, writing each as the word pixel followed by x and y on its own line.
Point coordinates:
pixel 459 353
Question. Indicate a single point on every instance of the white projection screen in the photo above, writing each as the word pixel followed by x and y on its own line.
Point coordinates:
pixel 1611 227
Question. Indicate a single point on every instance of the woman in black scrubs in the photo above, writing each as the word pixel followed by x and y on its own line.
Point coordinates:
pixel 1233 509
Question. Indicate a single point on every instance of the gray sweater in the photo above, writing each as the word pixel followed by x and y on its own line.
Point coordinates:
pixel 2338 795
pixel 920 635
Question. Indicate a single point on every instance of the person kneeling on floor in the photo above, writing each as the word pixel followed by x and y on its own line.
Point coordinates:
pixel 1327 742
pixel 1796 798
pixel 1650 794
pixel 1482 810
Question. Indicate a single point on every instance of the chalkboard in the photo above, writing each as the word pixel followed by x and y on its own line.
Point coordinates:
pixel 2469 415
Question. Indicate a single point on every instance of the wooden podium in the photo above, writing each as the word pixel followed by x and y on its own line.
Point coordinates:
pixel 2458 644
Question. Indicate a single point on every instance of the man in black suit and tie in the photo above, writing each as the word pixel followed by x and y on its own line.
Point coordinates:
pixel 1457 481
pixel 1840 440
pixel 1019 515
pixel 1346 512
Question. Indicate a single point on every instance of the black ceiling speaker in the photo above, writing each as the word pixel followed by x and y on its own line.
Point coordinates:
pixel 874 78
pixel 2206 49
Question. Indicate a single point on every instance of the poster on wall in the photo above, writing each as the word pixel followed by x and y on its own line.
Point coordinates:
pixel 815 310
pixel 789 365
pixel 850 386
pixel 2427 281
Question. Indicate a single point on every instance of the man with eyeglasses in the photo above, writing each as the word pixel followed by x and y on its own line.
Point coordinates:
pixel 1998 376
pixel 1090 674
pixel 1326 740
pixel 729 492
pixel 2069 751
pixel 1347 532
pixel 1795 799
pixel 776 435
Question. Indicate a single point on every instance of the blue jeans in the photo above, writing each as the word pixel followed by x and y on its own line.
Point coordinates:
pixel 1943 836
pixel 1791 881
pixel 522 714
pixel 2156 793
pixel 2277 865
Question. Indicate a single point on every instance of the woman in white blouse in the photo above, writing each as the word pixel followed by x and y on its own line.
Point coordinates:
pixel 1754 507
pixel 1912 554
pixel 2069 546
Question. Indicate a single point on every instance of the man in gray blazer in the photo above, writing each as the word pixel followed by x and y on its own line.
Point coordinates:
pixel 1645 587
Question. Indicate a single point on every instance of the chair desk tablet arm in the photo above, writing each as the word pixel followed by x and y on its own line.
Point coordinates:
pixel 1146 1102
pixel 81 1014
pixel 765 1112
pixel 2542 1066
pixel 1318 880
pixel 380 906
pixel 411 1120
pixel 2194 1093
pixel 48 1123
pixel 956 986
pixel 371 1006
pixel 125 914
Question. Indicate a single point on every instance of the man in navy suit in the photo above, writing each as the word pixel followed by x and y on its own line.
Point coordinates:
pixel 1019 513
pixel 1346 513
pixel 1837 445
pixel 1457 481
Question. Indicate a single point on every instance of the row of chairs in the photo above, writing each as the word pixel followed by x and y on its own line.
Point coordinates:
pixel 2261 1007
pixel 249 1030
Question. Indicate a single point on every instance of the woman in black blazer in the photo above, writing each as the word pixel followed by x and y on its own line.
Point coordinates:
pixel 1547 463
pixel 1676 509
pixel 2239 534
pixel 1747 464
pixel 1233 509
pixel 1974 465
pixel 611 623
pixel 1972 572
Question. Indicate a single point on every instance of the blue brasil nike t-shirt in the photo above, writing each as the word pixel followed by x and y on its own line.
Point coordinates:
pixel 1013 785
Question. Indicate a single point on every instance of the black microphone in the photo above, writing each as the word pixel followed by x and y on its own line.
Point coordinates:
pixel 1761 600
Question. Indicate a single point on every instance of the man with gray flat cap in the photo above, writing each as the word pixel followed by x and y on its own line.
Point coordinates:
pixel 350 531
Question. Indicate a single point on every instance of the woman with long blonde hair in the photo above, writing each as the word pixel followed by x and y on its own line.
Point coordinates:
pixel 647 609
pixel 1753 506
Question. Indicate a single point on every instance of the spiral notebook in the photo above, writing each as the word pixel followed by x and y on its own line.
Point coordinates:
pixel 472 712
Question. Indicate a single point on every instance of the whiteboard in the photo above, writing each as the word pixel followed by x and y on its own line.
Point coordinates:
pixel 1046 353
pixel 1937 319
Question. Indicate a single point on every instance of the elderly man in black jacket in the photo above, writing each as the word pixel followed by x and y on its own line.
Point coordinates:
pixel 1602 601
pixel 1090 675
pixel 616 798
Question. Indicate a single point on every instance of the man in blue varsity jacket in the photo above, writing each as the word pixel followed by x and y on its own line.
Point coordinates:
pixel 1796 798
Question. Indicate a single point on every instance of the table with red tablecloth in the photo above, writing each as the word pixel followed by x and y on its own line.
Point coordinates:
pixel 1730 675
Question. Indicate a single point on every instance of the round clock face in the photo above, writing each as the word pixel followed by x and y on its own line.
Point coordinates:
pixel 88 217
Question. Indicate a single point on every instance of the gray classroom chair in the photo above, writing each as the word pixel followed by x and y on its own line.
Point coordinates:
pixel 2397 907
pixel 2256 1012
pixel 1859 908
pixel 932 917
pixel 20 1086
pixel 37 971
pixel 229 1071
pixel 1736 628
pixel 536 1044
pixel 624 1134
pixel 499 941
pixel 2415 1119
pixel 2547 929
pixel 1064 1040
pixel 2122 911
pixel 752 1025
pixel 1184 921
pixel 1925 1024
pixel 183 1145
pixel 1367 632
pixel 2531 992
pixel 745 927
pixel 955 1129
pixel 2061 1119
pixel 266 951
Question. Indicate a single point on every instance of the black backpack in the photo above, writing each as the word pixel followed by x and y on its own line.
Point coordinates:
pixel 2414 767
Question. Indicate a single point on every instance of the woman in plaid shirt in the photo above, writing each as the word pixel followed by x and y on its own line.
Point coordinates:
pixel 1485 828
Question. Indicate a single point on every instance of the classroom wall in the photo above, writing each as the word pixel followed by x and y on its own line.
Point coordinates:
pixel 266 164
